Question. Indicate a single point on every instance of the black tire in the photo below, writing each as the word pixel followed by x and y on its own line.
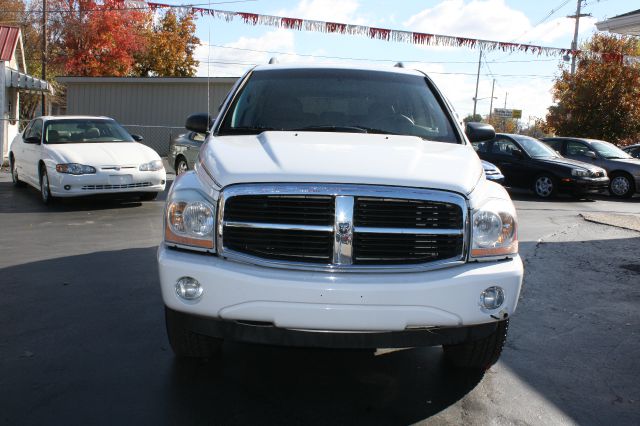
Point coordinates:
pixel 149 196
pixel 187 344
pixel 181 166
pixel 621 185
pixel 545 186
pixel 45 192
pixel 478 354
pixel 14 172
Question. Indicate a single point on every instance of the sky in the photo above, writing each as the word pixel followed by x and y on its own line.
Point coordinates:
pixel 522 81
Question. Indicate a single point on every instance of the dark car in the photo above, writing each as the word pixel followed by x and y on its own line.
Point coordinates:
pixel 633 150
pixel 183 151
pixel 492 172
pixel 528 163
pixel 622 168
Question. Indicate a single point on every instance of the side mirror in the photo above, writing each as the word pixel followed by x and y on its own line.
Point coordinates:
pixel 517 154
pixel 198 123
pixel 137 138
pixel 477 132
pixel 32 140
pixel 591 154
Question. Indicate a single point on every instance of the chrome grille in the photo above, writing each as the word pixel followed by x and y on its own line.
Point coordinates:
pixel 120 186
pixel 342 227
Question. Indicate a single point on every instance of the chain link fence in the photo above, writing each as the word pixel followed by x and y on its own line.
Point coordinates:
pixel 156 137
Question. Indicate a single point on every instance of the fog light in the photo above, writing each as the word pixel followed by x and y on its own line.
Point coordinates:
pixel 492 298
pixel 67 187
pixel 189 288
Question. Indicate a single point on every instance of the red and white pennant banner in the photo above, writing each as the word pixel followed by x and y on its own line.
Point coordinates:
pixel 384 33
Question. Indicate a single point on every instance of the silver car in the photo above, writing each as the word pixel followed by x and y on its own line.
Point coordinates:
pixel 183 152
pixel 622 168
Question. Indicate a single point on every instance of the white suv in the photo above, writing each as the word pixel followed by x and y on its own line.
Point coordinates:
pixel 339 207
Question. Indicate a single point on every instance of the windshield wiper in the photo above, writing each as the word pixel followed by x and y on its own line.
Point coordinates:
pixel 617 158
pixel 353 129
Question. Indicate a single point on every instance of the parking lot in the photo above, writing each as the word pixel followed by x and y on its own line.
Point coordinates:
pixel 82 337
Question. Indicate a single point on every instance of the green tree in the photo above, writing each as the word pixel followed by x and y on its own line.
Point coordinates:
pixel 602 99
pixel 472 118
pixel 171 45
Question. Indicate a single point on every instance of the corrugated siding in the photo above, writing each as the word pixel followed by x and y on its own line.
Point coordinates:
pixel 144 105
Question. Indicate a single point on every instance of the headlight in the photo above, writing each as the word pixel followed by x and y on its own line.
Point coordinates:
pixel 494 230
pixel 75 169
pixel 580 172
pixel 151 166
pixel 190 221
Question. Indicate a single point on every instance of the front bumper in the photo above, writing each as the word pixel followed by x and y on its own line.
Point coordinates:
pixel 103 182
pixel 584 185
pixel 338 302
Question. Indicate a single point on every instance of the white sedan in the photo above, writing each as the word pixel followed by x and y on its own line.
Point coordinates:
pixel 71 156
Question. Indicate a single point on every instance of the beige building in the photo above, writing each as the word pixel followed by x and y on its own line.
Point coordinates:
pixel 153 107
pixel 625 24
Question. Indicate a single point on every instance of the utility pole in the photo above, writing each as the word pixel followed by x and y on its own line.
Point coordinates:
pixel 44 52
pixel 506 94
pixel 493 85
pixel 574 43
pixel 475 98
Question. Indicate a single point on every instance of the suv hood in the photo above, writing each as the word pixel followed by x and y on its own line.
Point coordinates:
pixel 341 158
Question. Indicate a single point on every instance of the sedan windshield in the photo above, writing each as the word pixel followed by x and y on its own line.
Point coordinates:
pixel 85 131
pixel 534 147
pixel 338 100
pixel 608 150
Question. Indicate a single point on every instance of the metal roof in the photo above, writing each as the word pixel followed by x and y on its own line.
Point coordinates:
pixel 8 40
pixel 626 24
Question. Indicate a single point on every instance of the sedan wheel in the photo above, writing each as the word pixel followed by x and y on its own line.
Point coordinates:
pixel 182 167
pixel 14 174
pixel 621 186
pixel 45 193
pixel 544 186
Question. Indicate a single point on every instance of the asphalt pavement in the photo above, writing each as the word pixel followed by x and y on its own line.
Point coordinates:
pixel 82 337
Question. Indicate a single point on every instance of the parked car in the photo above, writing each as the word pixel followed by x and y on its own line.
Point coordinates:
pixel 183 152
pixel 622 168
pixel 492 172
pixel 70 156
pixel 633 150
pixel 317 191
pixel 528 163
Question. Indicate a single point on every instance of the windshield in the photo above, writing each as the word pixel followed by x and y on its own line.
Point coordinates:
pixel 534 147
pixel 608 150
pixel 85 131
pixel 338 100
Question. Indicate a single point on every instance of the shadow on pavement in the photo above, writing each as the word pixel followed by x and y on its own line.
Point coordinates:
pixel 83 342
pixel 26 199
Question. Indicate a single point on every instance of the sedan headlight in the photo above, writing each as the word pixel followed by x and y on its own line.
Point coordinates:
pixel 580 172
pixel 75 169
pixel 494 229
pixel 190 221
pixel 151 166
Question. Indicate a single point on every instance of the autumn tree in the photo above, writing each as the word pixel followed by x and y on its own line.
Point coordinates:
pixel 170 48
pixel 602 99
pixel 503 125
pixel 99 39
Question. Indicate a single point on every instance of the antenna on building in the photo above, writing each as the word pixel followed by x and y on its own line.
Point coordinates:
pixel 399 65
pixel 273 61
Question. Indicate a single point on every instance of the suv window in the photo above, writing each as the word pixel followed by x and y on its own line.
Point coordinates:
pixel 340 100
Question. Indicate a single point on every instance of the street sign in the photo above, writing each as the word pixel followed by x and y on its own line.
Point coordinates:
pixel 507 113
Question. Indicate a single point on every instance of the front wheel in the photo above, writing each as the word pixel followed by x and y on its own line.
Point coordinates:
pixel 14 173
pixel 478 354
pixel 621 186
pixel 544 186
pixel 181 166
pixel 187 344
pixel 45 192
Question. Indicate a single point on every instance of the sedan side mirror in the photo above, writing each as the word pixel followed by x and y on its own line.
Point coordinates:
pixel 591 154
pixel 32 140
pixel 137 138
pixel 198 123
pixel 517 154
pixel 477 132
